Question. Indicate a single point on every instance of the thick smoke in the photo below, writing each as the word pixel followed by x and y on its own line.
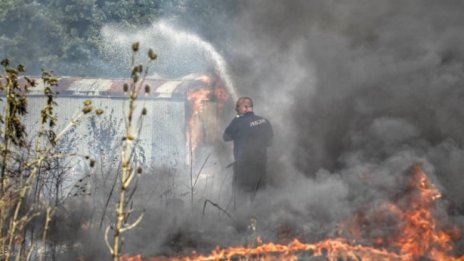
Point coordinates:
pixel 358 92
pixel 357 82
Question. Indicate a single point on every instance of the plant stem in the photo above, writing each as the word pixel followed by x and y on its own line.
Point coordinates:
pixel 6 136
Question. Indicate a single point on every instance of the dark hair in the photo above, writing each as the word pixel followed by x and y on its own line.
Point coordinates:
pixel 248 99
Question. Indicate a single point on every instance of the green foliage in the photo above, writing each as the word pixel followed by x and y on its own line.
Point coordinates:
pixel 17 170
pixel 131 13
pixel 26 23
pixel 64 35
pixel 16 106
pixel 6 6
pixel 31 177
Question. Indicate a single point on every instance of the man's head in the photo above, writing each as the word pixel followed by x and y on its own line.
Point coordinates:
pixel 244 105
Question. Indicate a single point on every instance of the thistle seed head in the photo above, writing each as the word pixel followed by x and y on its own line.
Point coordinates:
pixel 136 77
pixel 152 55
pixel 21 68
pixel 135 46
pixel 5 62
pixel 86 110
pixel 99 112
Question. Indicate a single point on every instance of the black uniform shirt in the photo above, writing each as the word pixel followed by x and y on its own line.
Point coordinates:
pixel 251 134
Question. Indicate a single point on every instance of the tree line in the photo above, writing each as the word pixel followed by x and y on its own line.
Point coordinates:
pixel 64 35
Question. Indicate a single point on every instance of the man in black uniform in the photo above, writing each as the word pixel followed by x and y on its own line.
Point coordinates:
pixel 251 135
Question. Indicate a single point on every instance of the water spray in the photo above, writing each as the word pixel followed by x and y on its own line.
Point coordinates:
pixel 177 48
pixel 213 55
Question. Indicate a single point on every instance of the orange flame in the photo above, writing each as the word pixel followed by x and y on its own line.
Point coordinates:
pixel 418 235
pixel 333 249
pixel 196 98
pixel 421 237
pixel 221 95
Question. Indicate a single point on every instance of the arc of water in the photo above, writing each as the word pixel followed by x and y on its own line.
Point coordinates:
pixel 219 62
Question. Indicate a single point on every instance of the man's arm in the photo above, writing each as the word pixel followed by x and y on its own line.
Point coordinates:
pixel 229 132
pixel 226 137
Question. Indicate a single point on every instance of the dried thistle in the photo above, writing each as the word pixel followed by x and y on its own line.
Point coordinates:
pixel 135 69
pixel 5 62
pixel 135 46
pixel 99 112
pixel 86 110
pixel 21 68
pixel 12 71
pixel 127 163
pixel 152 55
pixel 135 77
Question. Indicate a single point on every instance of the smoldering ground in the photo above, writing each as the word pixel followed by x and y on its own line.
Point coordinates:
pixel 353 89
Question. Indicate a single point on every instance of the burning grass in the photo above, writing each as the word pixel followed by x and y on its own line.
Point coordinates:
pixel 418 234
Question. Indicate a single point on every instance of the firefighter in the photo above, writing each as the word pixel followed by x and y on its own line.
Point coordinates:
pixel 251 136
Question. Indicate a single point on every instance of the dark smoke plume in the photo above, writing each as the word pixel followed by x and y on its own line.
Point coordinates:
pixel 358 91
pixel 357 82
